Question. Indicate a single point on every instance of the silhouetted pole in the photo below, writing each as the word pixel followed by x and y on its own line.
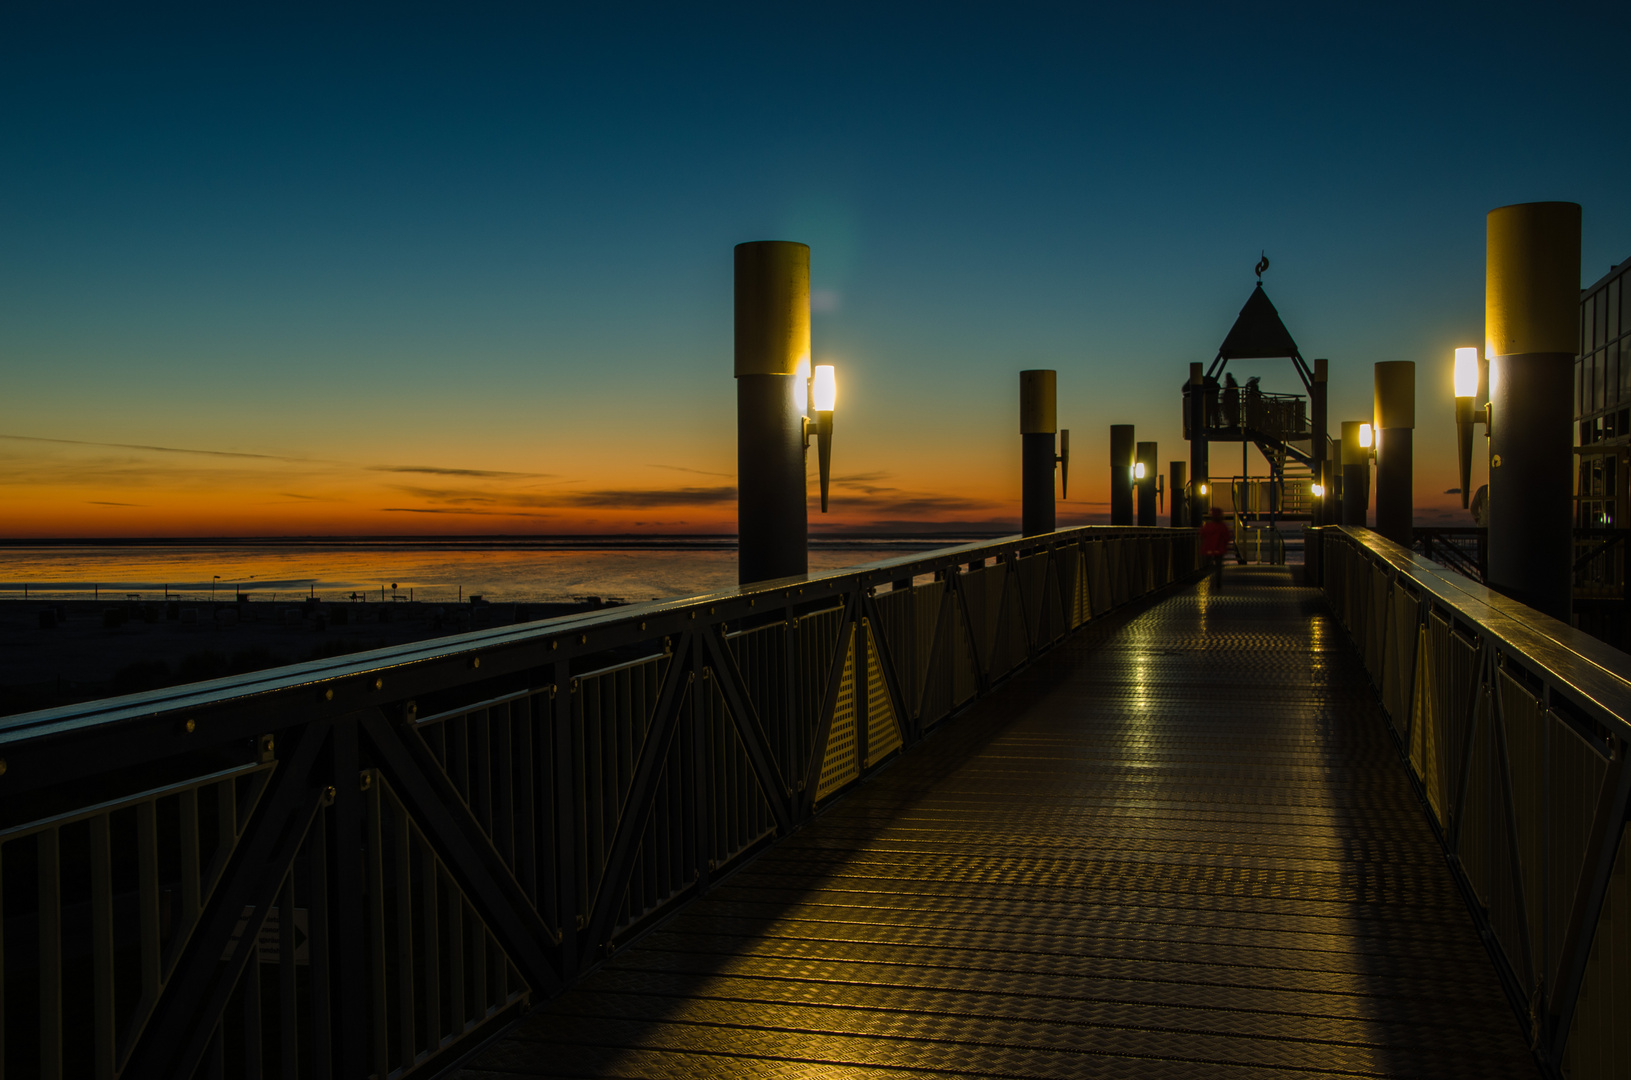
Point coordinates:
pixel 1394 432
pixel 1147 455
pixel 1038 421
pixel 772 346
pixel 1320 425
pixel 1355 476
pixel 1122 451
pixel 1176 497
pixel 1531 330
pixel 1200 467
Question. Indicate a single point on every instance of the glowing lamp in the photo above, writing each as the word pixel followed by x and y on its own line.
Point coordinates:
pixel 1466 412
pixel 1203 489
pixel 1365 438
pixel 1466 372
pixel 1138 471
pixel 1319 491
pixel 823 388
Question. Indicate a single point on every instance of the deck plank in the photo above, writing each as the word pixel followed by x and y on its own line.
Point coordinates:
pixel 1181 844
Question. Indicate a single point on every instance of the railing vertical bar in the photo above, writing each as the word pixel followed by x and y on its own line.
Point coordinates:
pixel 373 847
pixel 215 1056
pixel 478 972
pixel 249 983
pixel 455 945
pixel 404 939
pixel 2 962
pixel 524 809
pixel 481 780
pixel 429 923
pixel 147 887
pixel 50 921
pixel 566 818
pixel 322 1047
pixel 504 810
pixel 101 852
pixel 288 1011
pixel 191 868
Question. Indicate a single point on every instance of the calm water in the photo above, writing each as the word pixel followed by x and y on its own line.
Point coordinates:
pixel 538 570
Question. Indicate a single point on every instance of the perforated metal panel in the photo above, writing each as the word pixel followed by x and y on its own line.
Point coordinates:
pixel 841 764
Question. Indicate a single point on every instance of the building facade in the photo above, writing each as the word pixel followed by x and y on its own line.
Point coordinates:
pixel 1602 384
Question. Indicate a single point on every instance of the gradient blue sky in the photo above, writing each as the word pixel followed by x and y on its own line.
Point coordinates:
pixel 467 268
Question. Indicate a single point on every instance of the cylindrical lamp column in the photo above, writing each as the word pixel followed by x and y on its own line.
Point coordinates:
pixel 772 362
pixel 1146 465
pixel 1200 466
pixel 1318 424
pixel 1176 496
pixel 1531 331
pixel 1395 429
pixel 1355 476
pixel 1123 450
pixel 1038 422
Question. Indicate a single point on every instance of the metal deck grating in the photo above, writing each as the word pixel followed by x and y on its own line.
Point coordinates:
pixel 1180 845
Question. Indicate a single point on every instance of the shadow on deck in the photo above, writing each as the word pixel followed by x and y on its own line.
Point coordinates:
pixel 1181 844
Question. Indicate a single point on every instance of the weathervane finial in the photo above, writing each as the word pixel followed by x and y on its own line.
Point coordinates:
pixel 1262 265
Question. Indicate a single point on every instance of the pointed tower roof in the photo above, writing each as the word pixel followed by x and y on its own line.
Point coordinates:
pixel 1258 332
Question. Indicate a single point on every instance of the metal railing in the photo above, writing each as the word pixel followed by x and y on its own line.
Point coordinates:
pixel 1516 729
pixel 1230 411
pixel 1464 550
pixel 361 866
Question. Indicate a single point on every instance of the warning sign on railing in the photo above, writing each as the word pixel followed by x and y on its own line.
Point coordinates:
pixel 269 943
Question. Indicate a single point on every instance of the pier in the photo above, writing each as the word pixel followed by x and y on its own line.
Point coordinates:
pixel 1045 806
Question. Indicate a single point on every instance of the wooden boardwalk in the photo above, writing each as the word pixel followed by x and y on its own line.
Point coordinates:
pixel 1180 845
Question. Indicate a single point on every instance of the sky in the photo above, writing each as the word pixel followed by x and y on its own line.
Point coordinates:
pixel 463 269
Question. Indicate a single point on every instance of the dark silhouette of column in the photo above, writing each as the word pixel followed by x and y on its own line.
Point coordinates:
pixel 1355 476
pixel 1319 424
pixel 1199 449
pixel 1394 431
pixel 1122 451
pixel 1146 463
pixel 1177 497
pixel 1038 423
pixel 772 354
pixel 1531 330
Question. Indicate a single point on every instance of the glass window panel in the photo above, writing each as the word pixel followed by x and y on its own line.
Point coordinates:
pixel 1625 370
pixel 1596 381
pixel 1614 309
pixel 1579 388
pixel 1588 321
pixel 1611 375
pixel 1600 334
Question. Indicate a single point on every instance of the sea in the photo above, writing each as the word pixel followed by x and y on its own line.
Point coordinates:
pixel 534 569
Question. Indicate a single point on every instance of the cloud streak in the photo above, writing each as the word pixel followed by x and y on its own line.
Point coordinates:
pixel 478 474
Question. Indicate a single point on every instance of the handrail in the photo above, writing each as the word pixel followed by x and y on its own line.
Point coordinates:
pixel 1516 728
pixel 364 864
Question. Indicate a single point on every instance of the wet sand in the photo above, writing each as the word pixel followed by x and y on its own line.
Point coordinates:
pixel 60 652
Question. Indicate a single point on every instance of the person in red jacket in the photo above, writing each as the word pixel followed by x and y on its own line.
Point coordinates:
pixel 1215 540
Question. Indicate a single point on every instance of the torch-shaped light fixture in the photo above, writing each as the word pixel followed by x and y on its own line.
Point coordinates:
pixel 823 396
pixel 1467 414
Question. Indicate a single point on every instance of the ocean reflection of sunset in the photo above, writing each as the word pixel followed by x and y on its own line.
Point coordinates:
pixel 446 572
